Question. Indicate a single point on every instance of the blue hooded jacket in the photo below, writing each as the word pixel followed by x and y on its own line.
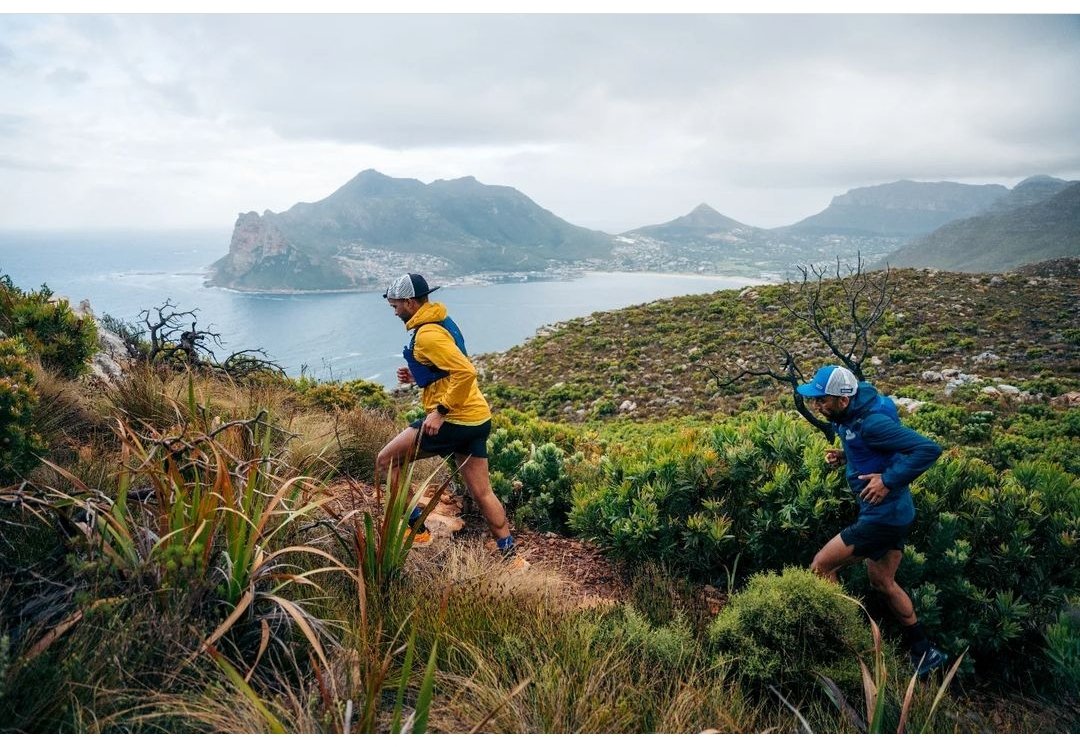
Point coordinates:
pixel 875 441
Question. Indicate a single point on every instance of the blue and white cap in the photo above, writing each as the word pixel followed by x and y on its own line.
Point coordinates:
pixel 834 380
pixel 409 285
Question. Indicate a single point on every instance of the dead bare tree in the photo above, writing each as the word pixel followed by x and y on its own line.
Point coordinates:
pixel 169 336
pixel 171 341
pixel 840 307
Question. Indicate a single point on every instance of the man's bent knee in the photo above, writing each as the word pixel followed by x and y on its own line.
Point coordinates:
pixel 818 566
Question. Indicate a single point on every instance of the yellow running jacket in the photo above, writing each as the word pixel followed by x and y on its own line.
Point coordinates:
pixel 436 347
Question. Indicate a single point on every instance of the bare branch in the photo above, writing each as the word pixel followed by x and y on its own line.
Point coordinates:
pixel 840 304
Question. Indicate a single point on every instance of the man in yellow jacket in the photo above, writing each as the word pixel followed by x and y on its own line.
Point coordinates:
pixel 458 419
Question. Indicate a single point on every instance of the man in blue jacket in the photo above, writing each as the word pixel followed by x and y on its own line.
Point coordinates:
pixel 882 458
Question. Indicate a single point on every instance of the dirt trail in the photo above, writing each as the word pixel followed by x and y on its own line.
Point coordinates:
pixel 589 576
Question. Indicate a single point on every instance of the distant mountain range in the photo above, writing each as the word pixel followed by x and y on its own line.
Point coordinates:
pixel 903 208
pixel 375 227
pixel 1025 228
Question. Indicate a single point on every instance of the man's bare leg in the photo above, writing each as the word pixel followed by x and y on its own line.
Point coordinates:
pixel 474 471
pixel 400 449
pixel 882 575
pixel 832 557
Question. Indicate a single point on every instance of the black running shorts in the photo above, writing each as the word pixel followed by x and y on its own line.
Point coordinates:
pixel 455 439
pixel 874 540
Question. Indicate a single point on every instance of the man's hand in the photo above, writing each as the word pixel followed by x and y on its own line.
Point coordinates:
pixel 875 490
pixel 404 375
pixel 433 422
pixel 835 458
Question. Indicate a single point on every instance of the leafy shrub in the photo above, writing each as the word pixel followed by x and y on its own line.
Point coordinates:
pixel 783 629
pixel 1063 649
pixel 996 557
pixel 670 646
pixel 49 327
pixel 756 488
pixel 343 395
pixel 530 470
pixel 541 494
pixel 19 441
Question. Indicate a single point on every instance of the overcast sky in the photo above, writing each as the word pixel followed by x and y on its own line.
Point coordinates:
pixel 611 122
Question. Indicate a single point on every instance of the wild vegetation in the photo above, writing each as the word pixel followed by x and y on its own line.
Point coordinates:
pixel 185 551
pixel 658 357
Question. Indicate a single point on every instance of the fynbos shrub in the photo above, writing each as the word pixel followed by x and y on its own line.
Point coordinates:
pixel 49 327
pixel 782 629
pixel 18 441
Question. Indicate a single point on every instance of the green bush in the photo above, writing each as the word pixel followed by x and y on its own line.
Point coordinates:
pixel 62 340
pixel 996 557
pixel 784 629
pixel 530 474
pixel 670 646
pixel 343 395
pixel 1063 649
pixel 755 488
pixel 19 443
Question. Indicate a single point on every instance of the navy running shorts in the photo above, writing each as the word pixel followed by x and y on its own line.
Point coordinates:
pixel 455 439
pixel 874 540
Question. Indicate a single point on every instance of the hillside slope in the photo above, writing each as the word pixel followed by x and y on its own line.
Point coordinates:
pixel 654 360
pixel 1001 240
pixel 903 208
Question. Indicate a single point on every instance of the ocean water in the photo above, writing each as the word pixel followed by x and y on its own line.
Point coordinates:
pixel 328 335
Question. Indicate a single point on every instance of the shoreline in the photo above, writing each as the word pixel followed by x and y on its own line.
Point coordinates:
pixel 478 280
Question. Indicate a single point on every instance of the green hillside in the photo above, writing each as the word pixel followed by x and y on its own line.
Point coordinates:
pixel 1001 240
pixel 658 356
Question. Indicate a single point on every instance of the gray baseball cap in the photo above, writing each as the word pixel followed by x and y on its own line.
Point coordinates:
pixel 409 285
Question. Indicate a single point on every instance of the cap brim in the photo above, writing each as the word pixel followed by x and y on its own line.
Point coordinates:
pixel 809 391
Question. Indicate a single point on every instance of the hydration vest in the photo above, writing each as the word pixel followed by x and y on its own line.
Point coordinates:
pixel 426 374
pixel 861 458
pixel 897 508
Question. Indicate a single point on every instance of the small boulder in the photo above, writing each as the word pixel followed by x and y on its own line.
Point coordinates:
pixel 1068 399
pixel 907 403
pixel 1008 389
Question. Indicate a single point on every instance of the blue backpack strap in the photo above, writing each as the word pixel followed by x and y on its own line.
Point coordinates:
pixel 424 374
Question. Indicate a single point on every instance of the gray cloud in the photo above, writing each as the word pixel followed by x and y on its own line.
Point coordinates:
pixel 610 121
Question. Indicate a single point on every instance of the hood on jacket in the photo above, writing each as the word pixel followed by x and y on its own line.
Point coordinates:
pixel 426 314
pixel 864 397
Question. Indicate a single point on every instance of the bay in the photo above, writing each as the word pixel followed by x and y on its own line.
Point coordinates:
pixel 327 335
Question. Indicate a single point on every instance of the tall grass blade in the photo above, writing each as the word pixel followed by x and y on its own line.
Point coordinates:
pixel 406 669
pixel 301 619
pixel 427 690
pixel 793 709
pixel 276 726
pixel 905 708
pixel 502 704
pixel 941 692
pixel 836 695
